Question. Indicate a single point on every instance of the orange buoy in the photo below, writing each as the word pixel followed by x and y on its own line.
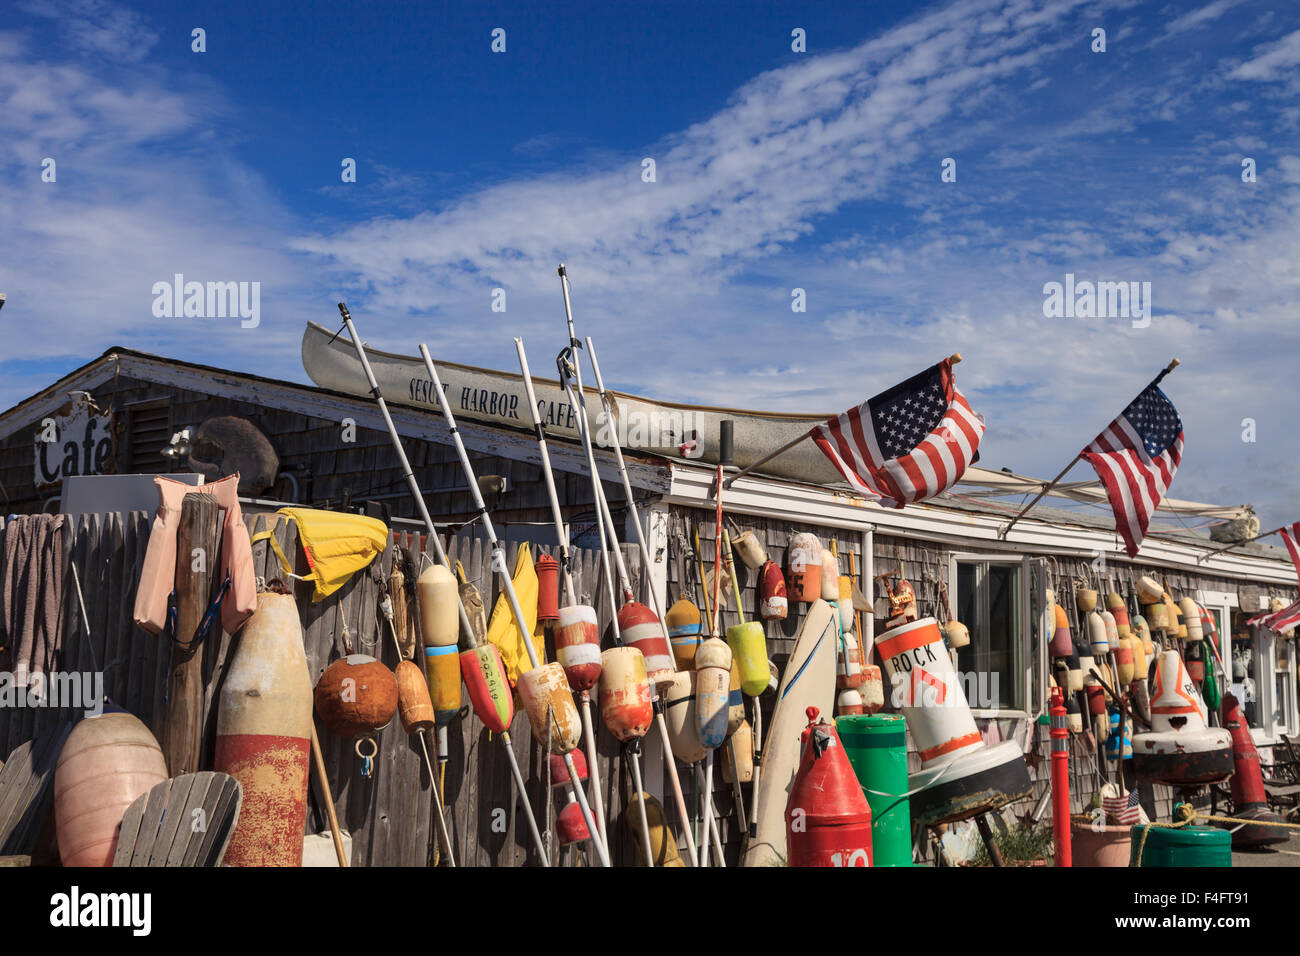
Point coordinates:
pixel 683 620
pixel 577 645
pixel 773 604
pixel 1062 641
pixel 414 705
pixel 552 714
pixel 356 696
pixel 548 588
pixel 625 698
pixel 642 629
pixel 1115 604
pixel 264 730
pixel 106 762
pixel 805 560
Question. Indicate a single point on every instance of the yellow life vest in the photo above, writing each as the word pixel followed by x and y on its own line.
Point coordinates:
pixel 502 630
pixel 337 545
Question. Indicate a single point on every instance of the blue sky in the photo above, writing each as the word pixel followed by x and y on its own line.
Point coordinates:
pixel 775 170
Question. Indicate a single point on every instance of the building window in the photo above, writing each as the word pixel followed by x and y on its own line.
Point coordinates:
pixel 990 602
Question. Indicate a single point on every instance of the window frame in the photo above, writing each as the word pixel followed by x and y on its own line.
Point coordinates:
pixel 1025 678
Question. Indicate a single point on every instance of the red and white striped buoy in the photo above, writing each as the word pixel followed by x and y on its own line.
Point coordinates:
pixel 577 645
pixel 642 629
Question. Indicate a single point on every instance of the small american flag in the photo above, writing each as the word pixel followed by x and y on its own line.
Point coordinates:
pixel 1123 810
pixel 908 443
pixel 1289 616
pixel 1136 458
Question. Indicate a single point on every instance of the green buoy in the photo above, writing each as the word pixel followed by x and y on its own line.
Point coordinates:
pixel 1185 846
pixel 876 745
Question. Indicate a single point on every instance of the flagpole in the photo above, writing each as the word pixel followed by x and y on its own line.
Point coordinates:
pixel 952 360
pixel 1006 528
pixel 1238 544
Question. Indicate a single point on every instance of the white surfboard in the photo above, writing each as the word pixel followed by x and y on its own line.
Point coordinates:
pixel 808 681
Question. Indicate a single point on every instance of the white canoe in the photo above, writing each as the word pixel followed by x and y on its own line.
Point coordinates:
pixel 498 398
pixel 808 681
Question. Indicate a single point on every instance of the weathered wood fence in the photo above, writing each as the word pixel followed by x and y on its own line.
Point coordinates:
pixel 389 815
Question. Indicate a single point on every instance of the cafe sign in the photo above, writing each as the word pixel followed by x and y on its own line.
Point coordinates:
pixel 76 440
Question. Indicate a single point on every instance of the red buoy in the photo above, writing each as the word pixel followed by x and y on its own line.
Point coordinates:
pixel 570 827
pixel 642 629
pixel 827 817
pixel 1249 801
pixel 548 588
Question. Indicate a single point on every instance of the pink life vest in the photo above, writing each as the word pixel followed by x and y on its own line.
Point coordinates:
pixel 157 578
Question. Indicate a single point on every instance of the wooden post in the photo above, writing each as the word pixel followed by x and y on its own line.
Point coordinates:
pixel 197 564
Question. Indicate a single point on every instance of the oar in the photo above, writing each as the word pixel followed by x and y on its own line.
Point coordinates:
pixel 508 586
pixel 423 510
pixel 562 536
pixel 578 404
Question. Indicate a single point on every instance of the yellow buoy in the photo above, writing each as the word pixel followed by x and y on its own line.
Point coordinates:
pixel 749 647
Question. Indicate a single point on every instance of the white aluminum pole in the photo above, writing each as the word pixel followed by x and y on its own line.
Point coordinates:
pixel 498 563
pixel 520 789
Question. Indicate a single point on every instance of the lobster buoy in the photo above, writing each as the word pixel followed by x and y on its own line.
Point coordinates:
pixel 735 699
pixel 642 629
pixel 548 588
pixel 679 714
pixel 625 699
pixel 1097 639
pixel 570 826
pixel 264 730
pixel 552 714
pixel 663 845
pixel 872 689
pixel 436 595
pixel 1112 628
pixel 712 690
pixel 848 703
pixel 1124 661
pixel 1149 591
pixel 577 646
pixel 683 620
pixel 1180 749
pixel 1073 672
pixel 844 602
pixel 1085 599
pixel 748 644
pixel 1208 629
pixel 1195 663
pixel 414 704
pixel 773 604
pixel 1191 619
pixel 106 762
pixel 356 696
pixel 740 748
pixel 1062 640
pixel 805 557
pixel 1155 616
pixel 958 770
pixel 1115 604
pixel 1142 631
pixel 1119 745
pixel 751 550
pixel 1073 716
pixel 1139 658
pixel 1249 799
pixel 442 669
pixel 1096 696
pixel 957 633
pixel 828 819
pixel 830 577
pixel 488 686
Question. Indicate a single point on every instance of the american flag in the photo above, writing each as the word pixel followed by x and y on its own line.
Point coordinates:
pixel 1124 810
pixel 1136 457
pixel 908 443
pixel 1289 616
